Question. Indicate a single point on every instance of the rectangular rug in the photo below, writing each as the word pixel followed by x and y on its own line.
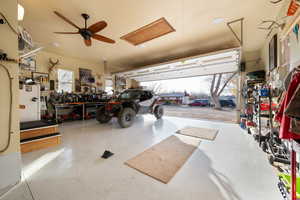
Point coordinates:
pixel 164 159
pixel 203 133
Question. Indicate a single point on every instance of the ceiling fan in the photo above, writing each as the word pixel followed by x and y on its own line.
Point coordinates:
pixel 87 32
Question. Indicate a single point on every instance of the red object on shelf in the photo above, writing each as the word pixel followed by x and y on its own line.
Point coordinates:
pixel 285 121
pixel 250 123
pixel 266 106
pixel 292 8
pixel 293 175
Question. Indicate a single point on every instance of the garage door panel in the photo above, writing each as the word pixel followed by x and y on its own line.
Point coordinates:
pixel 219 62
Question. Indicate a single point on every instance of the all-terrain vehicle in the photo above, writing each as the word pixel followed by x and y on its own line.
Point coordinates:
pixel 128 104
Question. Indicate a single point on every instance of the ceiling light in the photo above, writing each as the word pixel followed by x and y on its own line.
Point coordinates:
pixel 218 20
pixel 56 44
pixel 21 12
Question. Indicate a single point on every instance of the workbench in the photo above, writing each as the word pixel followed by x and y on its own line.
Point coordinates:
pixel 76 104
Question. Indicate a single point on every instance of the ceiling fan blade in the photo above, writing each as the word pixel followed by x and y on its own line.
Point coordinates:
pixel 97 26
pixel 66 32
pixel 66 20
pixel 103 39
pixel 88 42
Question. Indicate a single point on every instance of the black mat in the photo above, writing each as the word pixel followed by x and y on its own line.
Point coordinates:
pixel 35 124
pixel 40 137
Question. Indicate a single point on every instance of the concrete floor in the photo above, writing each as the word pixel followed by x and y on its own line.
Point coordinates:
pixel 230 168
pixel 203 113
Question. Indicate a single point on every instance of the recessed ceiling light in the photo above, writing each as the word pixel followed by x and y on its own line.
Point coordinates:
pixel 56 44
pixel 218 20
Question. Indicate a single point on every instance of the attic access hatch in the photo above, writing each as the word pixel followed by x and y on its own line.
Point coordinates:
pixel 149 32
pixel 225 61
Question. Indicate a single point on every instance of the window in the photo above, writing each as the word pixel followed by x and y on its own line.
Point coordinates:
pixel 108 86
pixel 130 94
pixel 65 80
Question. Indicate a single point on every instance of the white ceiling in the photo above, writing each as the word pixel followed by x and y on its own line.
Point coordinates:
pixel 193 20
pixel 218 62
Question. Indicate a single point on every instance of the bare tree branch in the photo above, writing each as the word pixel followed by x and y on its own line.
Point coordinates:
pixel 218 83
pixel 226 82
pixel 212 84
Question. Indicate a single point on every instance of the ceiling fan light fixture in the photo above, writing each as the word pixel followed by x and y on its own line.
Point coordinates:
pixel 142 45
pixel 56 44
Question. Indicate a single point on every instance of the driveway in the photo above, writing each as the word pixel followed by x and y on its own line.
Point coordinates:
pixel 225 115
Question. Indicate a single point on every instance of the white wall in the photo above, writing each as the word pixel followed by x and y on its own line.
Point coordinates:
pixel 10 162
pixel 294 44
pixel 68 63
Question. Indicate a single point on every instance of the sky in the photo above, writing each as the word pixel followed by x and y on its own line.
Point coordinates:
pixel 194 84
pixel 199 84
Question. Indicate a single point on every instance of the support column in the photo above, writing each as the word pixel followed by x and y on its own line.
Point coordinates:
pixel 239 108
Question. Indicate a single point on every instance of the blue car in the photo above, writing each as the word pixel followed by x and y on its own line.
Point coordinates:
pixel 227 103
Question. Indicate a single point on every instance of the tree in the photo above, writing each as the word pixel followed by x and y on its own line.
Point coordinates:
pixel 216 89
pixel 156 87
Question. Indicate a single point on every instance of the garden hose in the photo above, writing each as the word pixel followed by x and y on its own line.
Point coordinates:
pixel 10 109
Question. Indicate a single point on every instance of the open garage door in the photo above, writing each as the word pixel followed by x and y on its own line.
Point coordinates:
pixel 225 61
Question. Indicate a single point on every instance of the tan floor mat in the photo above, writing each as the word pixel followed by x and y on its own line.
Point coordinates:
pixel 164 159
pixel 203 133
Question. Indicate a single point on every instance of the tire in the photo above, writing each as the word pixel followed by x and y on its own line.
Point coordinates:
pixel 158 112
pixel 126 117
pixel 101 117
pixel 271 160
pixel 264 147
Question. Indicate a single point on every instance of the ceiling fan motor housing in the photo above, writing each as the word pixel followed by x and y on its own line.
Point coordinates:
pixel 85 33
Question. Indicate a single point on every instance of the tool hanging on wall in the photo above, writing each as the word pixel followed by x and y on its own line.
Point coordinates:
pixel 296 31
pixel 293 7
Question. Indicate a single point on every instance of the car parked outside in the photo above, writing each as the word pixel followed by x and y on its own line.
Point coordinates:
pixel 200 102
pixel 227 103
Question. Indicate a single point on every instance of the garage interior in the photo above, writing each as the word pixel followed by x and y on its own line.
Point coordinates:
pixel 65 66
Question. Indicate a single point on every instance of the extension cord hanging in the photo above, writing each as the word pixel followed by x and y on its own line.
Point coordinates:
pixel 10 108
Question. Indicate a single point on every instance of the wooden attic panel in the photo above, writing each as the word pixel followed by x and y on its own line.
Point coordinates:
pixel 149 32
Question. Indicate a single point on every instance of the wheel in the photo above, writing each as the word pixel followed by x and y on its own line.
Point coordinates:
pixel 271 160
pixel 249 131
pixel 101 117
pixel 158 112
pixel 264 147
pixel 126 117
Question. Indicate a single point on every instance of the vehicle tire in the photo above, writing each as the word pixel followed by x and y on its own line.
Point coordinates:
pixel 126 117
pixel 271 160
pixel 158 112
pixel 264 147
pixel 101 117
